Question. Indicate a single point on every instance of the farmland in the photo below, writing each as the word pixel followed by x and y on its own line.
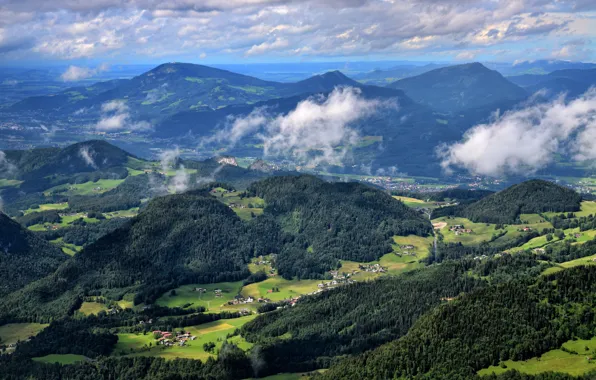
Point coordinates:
pixel 61 358
pixel 284 289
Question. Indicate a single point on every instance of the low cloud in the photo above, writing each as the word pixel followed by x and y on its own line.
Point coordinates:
pixel 319 125
pixel 77 73
pixel 157 94
pixel 87 154
pixel 211 177
pixel 526 140
pixel 7 168
pixel 115 116
pixel 169 159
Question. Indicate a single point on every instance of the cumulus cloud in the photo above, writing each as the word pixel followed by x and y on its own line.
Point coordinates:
pixel 87 155
pixel 115 116
pixel 318 130
pixel 526 140
pixel 77 73
pixel 68 29
pixel 168 159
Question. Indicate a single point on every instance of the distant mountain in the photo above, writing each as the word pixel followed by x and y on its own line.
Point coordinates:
pixel 538 67
pixel 175 87
pixel 530 197
pixel 455 88
pixel 23 256
pixel 574 82
pixel 383 77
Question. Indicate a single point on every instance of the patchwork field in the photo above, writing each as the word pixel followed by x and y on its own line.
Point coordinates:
pixel 15 332
pixel 243 207
pixel 86 188
pixel 186 295
pixel 216 332
pixel 48 206
pixel 575 362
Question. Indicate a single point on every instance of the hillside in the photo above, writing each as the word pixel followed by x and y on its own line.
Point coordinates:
pixel 177 239
pixel 24 257
pixel 573 82
pixel 530 197
pixel 455 88
pixel 331 221
pixel 459 338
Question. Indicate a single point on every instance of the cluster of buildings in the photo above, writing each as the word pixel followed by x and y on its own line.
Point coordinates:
pixel 459 229
pixel 169 339
pixel 374 268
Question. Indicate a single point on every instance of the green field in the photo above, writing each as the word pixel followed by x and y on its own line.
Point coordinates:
pixel 587 208
pixel 48 206
pixel 287 288
pixel 553 361
pixel 14 332
pixel 9 182
pixel 86 188
pixel 186 294
pixel 414 202
pixel 241 206
pixel 484 231
pixel 89 308
pixel 216 332
pixel 589 260
pixel 61 358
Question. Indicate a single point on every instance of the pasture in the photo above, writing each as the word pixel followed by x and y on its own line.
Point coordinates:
pixel 89 308
pixel 415 203
pixel 589 260
pixel 243 207
pixel 15 332
pixel 145 345
pixel 86 188
pixel 573 363
pixel 187 294
pixel 287 288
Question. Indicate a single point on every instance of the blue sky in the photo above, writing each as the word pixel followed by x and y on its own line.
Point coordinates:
pixel 93 32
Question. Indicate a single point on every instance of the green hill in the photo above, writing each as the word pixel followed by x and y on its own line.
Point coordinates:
pixel 332 221
pixel 23 256
pixel 530 197
pixel 455 88
pixel 186 238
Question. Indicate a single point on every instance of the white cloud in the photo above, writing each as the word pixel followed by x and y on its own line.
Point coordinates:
pixel 317 130
pixel 87 154
pixel 169 158
pixel 76 73
pixel 180 180
pixel 265 47
pixel 115 116
pixel 523 141
pixel 7 168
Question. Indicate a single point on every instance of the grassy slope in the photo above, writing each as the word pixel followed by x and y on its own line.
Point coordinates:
pixel 61 358
pixel 215 332
pixel 89 308
pixel 554 360
pixel 187 295
pixel 14 332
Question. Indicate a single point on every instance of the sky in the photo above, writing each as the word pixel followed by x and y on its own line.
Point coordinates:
pixel 235 31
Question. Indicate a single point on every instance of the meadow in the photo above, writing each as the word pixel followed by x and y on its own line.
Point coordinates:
pixel 15 332
pixel 187 295
pixel 574 362
pixel 287 288
pixel 145 345
pixel 414 202
pixel 86 188
pixel 89 308
pixel 588 260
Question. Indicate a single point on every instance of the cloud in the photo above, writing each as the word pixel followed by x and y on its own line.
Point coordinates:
pixel 266 47
pixel 317 130
pixel 526 140
pixel 169 159
pixel 7 168
pixel 157 94
pixel 76 73
pixel 87 154
pixel 180 180
pixel 115 116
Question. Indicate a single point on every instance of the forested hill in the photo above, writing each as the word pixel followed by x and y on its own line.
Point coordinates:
pixel 23 256
pixel 183 238
pixel 88 156
pixel 530 197
pixel 510 321
pixel 332 220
